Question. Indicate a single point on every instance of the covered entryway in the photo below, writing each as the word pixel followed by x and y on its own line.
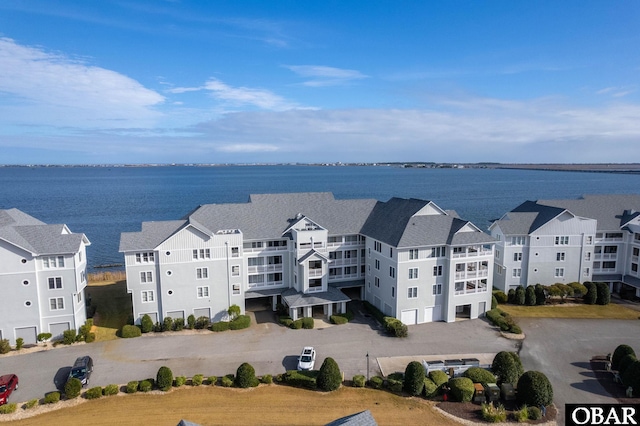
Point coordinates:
pixel 463 312
pixel 28 335
pixel 302 304
pixel 409 317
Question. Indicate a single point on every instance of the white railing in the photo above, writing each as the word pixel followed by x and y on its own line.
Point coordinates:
pixel 261 249
pixel 339 262
pixel 606 255
pixel 264 268
pixel 265 284
pixel 315 272
pixel 314 289
pixel 345 243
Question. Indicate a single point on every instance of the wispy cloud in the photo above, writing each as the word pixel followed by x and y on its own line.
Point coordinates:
pixel 617 92
pixel 247 148
pixel 321 76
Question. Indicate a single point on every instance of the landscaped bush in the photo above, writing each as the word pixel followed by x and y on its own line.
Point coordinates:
pixel 202 323
pixel 212 380
pixel 376 382
pixel 329 377
pixel 591 296
pixel 395 327
pixel 430 389
pixel 534 413
pixel 5 347
pixel 479 375
pixel 246 376
pixel 414 378
pixel 511 296
pixel 164 378
pixel 625 363
pixel 307 323
pixel 296 325
pixel 178 324
pixel 500 296
pixel 44 336
pixel 145 386
pixel 31 403
pixel 90 337
pixel 191 322
pixel 220 326
pixel 300 379
pixel 285 320
pixel 534 389
pixel 579 289
pixel 93 393
pixel 620 352
pixel 603 295
pixel 461 389
pixel 52 398
pixel 227 381
pixel 631 377
pixel 394 384
pixel 129 331
pixel 240 322
pixel 267 379
pixel 146 324
pixel 72 388
pixel 520 296
pixel 530 296
pixel 438 377
pixel 197 380
pixel 494 302
pixel 19 343
pixel 179 381
pixel 157 327
pixel 494 414
pixel 338 319
pixel 507 367
pixel 167 324
pixel 359 381
pixel 541 295
pixel 110 390
pixel 132 386
pixel 8 408
pixel 69 336
pixel 503 320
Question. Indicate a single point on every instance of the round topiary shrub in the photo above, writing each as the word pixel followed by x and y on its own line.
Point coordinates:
pixel 625 363
pixel 500 296
pixel 603 295
pixel 191 322
pixel 530 297
pixel 430 389
pixel 240 322
pixel 197 380
pixel 132 386
pixel 520 296
pixel 246 376
pixel 145 386
pixel 479 375
pixel 507 367
pixel 164 378
pixel 307 323
pixel 220 326
pixel 414 378
pixel 226 381
pixel 146 324
pixel 631 377
pixel 179 381
pixel 72 388
pixel 534 413
pixel 329 377
pixel 52 398
pixel 129 331
pixel 511 296
pixel 267 379
pixel 541 295
pixel 178 324
pixel 359 381
pixel 338 319
pixel 296 325
pixel 93 393
pixel 592 295
pixel 212 380
pixel 461 389
pixel 620 352
pixel 494 302
pixel 534 389
pixel 376 382
pixel 438 377
pixel 110 390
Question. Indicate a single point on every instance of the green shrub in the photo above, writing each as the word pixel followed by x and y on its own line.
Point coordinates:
pixel 212 380
pixel 359 381
pixel 267 379
pixel 530 296
pixel 5 347
pixel 178 324
pixel 8 408
pixel 167 324
pixel 110 390
pixel 591 296
pixel 90 337
pixel 430 389
pixel 240 322
pixel 145 386
pixel 179 381
pixel 438 377
pixel 534 413
pixel 338 319
pixel 620 352
pixel 625 363
pixel 307 323
pixel 501 296
pixel 522 415
pixel 233 311
pixel 395 327
pixel 31 403
pixel 300 379
pixel 296 325
pixel 461 389
pixel 52 398
pixel 93 393
pixel 494 414
pixel 191 322
pixel 541 295
pixel 494 302
pixel 376 382
pixel 157 327
pixel 507 367
pixel 197 380
pixel 535 389
pixel 515 329
pixel 72 388
pixel 19 343
pixel 202 323
pixel 479 375
pixel 395 385
pixel 603 295
pixel 129 331
pixel 146 324
pixel 631 377
pixel 414 378
pixel 227 381
pixel 520 296
pixel 579 289
pixel 220 326
pixel 69 336
pixel 511 296
pixel 285 320
pixel 329 377
pixel 164 378
pixel 246 376
pixel 44 336
pixel 132 386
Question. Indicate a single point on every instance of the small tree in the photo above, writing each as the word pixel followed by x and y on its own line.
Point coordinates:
pixel 69 336
pixel 631 377
pixel 164 378
pixel 19 343
pixel 329 377
pixel 520 296
pixel 146 323
pixel 591 296
pixel 511 296
pixel 129 331
pixel 72 388
pixel 530 296
pixel 534 389
pixel 625 363
pixel 603 295
pixel 233 311
pixel 167 324
pixel 414 378
pixel 620 352
pixel 541 296
pixel 191 322
pixel 507 367
pixel 5 346
pixel 246 376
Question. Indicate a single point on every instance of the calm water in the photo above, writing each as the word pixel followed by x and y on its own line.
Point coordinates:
pixel 103 202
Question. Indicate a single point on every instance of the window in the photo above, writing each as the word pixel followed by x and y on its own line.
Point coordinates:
pixel 315 283
pixel 83 276
pixel 55 283
pixel 413 254
pixel 376 282
pixel 608 265
pixel 518 241
pixel 377 264
pixel 636 251
pixel 274 260
pixel 437 271
pixel 79 297
pixel 351 254
pixel 235 270
pixel 412 292
pixel 80 256
pixel 560 256
pixel 613 235
pixel 275 277
pixel 413 273
pixel 277 243
pixel 437 289
pixel 56 303
pixel 392 272
pixel 315 264
pixel 517 272
pixel 235 252
pixel 145 257
pixel 438 252
pixel 517 257
pixel 391 252
pixel 377 246
pixel 498 269
pixel 256 244
pixel 202 292
pixel 335 255
pixel 497 254
pixel 255 261
pixel 589 240
pixel 586 272
pixel 587 256
pixel 53 262
pixel 147 296
pixel 236 289
pixel 202 273
pixel 562 240
pixel 559 273
pixel 634 267
pixel 611 249
pixel 256 279
pixel 393 292
pixel 201 254
pixel 146 277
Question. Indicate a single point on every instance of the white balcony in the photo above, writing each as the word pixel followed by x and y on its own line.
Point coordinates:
pixel 264 268
pixel 315 272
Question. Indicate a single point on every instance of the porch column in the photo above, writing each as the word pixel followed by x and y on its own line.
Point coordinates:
pixel 329 310
pixel 274 302
pixel 343 307
pixel 293 313
pixel 308 311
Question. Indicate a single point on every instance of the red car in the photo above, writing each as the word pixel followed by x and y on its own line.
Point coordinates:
pixel 8 383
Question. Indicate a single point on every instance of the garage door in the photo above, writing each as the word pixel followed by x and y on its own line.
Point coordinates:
pixel 409 317
pixel 203 312
pixel 58 329
pixel 433 313
pixel 176 314
pixel 28 334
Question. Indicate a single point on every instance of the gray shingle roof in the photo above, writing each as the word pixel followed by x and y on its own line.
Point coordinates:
pixel 364 418
pixel 35 236
pixel 151 235
pixel 527 217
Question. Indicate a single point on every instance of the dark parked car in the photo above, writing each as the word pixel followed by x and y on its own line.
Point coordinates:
pixel 8 383
pixel 82 369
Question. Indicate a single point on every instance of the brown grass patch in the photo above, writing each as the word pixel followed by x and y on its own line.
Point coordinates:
pixel 610 311
pixel 113 307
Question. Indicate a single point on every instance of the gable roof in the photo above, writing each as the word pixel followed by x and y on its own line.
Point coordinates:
pixel 527 218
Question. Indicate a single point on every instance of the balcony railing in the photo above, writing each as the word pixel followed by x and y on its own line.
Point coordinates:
pixel 472 274
pixel 315 272
pixel 339 262
pixel 345 243
pixel 474 253
pixel 606 256
pixel 314 289
pixel 265 268
pixel 265 284
pixel 260 249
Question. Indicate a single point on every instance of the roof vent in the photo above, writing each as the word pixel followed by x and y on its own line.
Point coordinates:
pixel 299 216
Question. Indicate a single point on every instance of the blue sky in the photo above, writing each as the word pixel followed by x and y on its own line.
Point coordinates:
pixel 319 81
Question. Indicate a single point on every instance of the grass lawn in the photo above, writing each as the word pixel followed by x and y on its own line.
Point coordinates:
pixel 113 307
pixel 265 405
pixel 610 311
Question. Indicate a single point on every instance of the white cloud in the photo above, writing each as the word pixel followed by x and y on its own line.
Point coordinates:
pixel 325 76
pixel 617 92
pixel 247 148
pixel 53 89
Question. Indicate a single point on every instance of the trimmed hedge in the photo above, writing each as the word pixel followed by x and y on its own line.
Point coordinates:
pixel 5 346
pixel 179 381
pixel 359 381
pixel 395 385
pixel 603 295
pixel 520 296
pixel 414 378
pixel 541 295
pixel 620 352
pixel 534 413
pixel 329 377
pixel 227 381
pixel 592 293
pixel 246 376
pixel 507 367
pixel 145 386
pixel 430 389
pixel 625 363
pixel 307 323
pixel 164 378
pixel 197 380
pixel 51 398
pixel 438 377
pixel 44 336
pixel 461 389
pixel 72 388
pixel 220 326
pixel 534 389
pixel 191 322
pixel 479 375
pixel 503 320
pixel 212 380
pixel 338 319
pixel 240 322
pixel 301 379
pixel 285 320
pixel 31 403
pixel 296 325
pixel 146 324
pixel 202 323
pixel 267 379
pixel 530 297
pixel 376 382
pixel 110 390
pixel 93 393
pixel 132 386
pixel 631 377
pixel 395 327
pixel 8 408
pixel 500 296
pixel 69 336
pixel 129 331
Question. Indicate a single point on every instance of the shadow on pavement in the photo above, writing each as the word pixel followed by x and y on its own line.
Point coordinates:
pixel 61 377
pixel 592 386
pixel 290 362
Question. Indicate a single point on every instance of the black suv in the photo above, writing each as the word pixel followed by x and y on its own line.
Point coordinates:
pixel 82 369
